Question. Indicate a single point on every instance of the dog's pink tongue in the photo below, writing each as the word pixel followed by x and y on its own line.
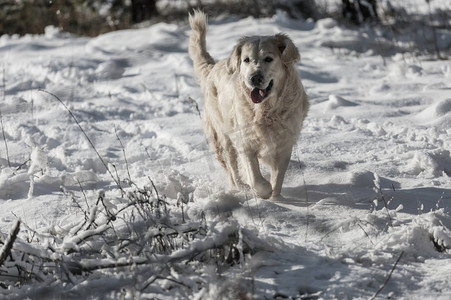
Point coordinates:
pixel 257 95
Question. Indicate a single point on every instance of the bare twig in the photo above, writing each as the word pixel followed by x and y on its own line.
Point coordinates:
pixel 8 245
pixel 386 208
pixel 63 190
pixel 83 192
pixel 118 178
pixel 154 278
pixel 123 152
pixel 155 188
pixel 176 80
pixel 327 234
pixel 100 199
pixel 434 33
pixel 307 203
pixel 388 277
pixel 23 164
pixel 381 196
pixel 4 139
pixel 1 118
pixel 306 194
pixel 367 235
pixel 34 232
pixel 82 237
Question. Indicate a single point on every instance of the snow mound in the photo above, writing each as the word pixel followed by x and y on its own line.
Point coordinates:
pixel 13 186
pixel 436 111
pixel 366 179
pixel 326 23
pixel 430 164
pixel 425 236
pixel 110 69
pixel 400 69
pixel 337 101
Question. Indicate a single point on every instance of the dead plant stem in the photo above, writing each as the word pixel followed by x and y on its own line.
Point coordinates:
pixel 1 118
pixel 388 277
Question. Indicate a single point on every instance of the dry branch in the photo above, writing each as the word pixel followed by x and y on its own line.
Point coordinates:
pixel 1 120
pixel 6 249
pixel 388 277
pixel 123 152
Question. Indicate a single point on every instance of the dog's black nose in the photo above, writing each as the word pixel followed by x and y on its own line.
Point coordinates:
pixel 257 79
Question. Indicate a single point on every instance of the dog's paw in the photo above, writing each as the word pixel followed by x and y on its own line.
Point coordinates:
pixel 263 189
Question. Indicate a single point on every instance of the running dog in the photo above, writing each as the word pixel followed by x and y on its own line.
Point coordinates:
pixel 255 105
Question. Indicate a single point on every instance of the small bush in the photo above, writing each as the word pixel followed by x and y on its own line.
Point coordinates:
pixel 74 16
pixel 142 242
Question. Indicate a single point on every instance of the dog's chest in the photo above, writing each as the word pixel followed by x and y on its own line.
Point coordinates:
pixel 262 129
pixel 262 135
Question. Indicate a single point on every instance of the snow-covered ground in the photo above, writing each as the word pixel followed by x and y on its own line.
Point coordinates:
pixel 367 197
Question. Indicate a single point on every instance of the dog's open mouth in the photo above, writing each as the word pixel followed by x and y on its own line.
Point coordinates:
pixel 258 95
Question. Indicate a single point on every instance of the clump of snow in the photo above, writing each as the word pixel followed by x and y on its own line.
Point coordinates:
pixel 326 23
pixel 337 101
pixel 110 70
pixel 13 186
pixel 424 237
pixel 436 110
pixel 52 32
pixel 176 183
pixel 38 161
pixel 435 163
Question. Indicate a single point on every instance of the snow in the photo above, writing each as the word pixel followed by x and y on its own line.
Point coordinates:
pixel 368 182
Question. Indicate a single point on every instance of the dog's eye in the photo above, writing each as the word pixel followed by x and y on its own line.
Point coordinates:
pixel 247 60
pixel 268 59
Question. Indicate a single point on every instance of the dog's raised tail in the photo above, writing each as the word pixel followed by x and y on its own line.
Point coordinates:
pixel 202 60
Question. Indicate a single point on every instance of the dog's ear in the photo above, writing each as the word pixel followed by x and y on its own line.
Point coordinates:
pixel 234 61
pixel 288 51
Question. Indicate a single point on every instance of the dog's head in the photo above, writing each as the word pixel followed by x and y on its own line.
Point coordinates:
pixel 261 63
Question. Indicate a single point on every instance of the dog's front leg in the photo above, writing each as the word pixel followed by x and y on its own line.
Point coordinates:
pixel 278 169
pixel 255 179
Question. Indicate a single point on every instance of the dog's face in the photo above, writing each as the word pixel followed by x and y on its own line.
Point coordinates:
pixel 261 63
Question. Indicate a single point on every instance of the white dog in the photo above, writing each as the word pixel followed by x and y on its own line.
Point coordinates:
pixel 255 105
